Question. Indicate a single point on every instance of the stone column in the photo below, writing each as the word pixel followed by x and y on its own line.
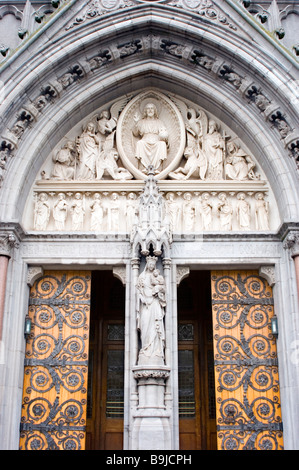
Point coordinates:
pixel 296 261
pixel 7 242
pixel 292 243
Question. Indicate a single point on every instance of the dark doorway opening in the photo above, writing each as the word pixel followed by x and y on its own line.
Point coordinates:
pixel 105 404
pixel 197 411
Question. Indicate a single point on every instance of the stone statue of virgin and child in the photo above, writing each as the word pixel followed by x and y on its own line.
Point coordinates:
pixel 151 305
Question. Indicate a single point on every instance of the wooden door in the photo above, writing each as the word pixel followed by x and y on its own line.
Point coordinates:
pixel 246 369
pixel 106 365
pixel 197 420
pixel 56 363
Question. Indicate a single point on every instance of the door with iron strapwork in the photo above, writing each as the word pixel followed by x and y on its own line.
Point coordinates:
pixel 56 363
pixel 246 369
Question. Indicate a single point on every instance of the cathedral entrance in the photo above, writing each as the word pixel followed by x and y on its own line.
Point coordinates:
pixel 197 414
pixel 105 401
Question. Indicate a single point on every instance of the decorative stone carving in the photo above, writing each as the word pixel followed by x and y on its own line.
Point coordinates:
pixel 34 273
pixel 268 272
pixel 127 212
pixel 60 212
pixel 214 146
pixel 41 212
pixel 243 212
pixel 151 149
pixel 152 230
pixel 64 162
pixel 291 243
pixel 120 273
pixel 150 313
pixel 181 273
pixel 78 212
pixel 8 241
pixel 97 213
pixel 261 212
pixel 150 131
pixel 188 213
pixel 239 165
pixel 225 212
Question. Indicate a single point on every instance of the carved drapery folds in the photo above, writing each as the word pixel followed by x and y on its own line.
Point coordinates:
pixel 94 181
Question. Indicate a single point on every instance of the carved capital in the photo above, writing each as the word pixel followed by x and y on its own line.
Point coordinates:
pixel 34 273
pixel 158 372
pixel 291 243
pixel 7 243
pixel 181 273
pixel 268 273
pixel 120 273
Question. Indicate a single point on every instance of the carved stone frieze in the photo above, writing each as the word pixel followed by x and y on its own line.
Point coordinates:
pixel 117 211
pixel 208 10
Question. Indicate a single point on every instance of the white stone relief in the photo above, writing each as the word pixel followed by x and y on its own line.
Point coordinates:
pixel 41 212
pixel 78 212
pixel 89 183
pixel 179 141
pixel 186 211
pixel 151 149
pixel 151 305
pixel 60 212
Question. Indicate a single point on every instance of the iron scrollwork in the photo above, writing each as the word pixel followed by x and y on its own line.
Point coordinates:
pixel 56 364
pixel 245 364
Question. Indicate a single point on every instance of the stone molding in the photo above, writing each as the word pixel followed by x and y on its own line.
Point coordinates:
pixel 191 54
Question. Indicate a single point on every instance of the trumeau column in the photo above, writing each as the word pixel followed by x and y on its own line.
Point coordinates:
pixel 151 242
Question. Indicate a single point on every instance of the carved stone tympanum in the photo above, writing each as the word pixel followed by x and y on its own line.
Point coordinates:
pixel 93 181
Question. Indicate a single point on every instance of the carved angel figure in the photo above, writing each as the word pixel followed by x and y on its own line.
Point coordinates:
pixel 196 165
pixel 151 149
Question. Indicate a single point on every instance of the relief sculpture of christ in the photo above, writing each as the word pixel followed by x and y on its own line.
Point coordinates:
pixel 151 149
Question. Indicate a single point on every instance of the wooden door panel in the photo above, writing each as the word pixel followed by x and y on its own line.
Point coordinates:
pixel 245 357
pixel 56 363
